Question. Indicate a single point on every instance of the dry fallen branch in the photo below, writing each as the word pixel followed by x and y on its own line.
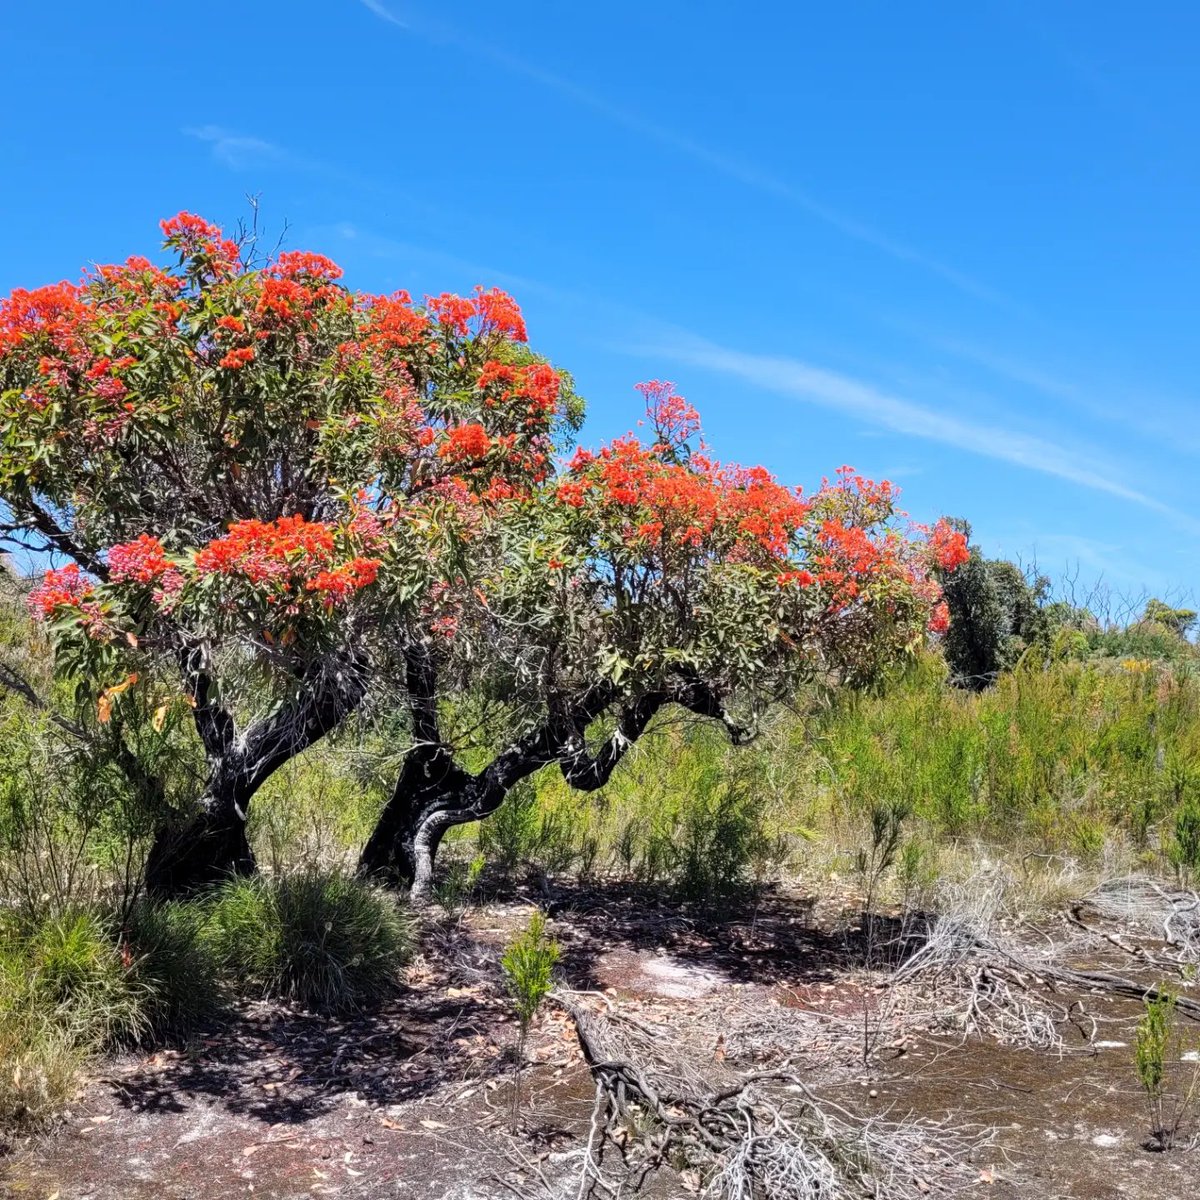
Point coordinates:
pixel 972 974
pixel 1144 904
pixel 969 975
pixel 756 1136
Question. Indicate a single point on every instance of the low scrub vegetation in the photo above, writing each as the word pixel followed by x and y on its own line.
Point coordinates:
pixel 319 938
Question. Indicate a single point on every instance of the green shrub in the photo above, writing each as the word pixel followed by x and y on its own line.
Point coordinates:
pixel 76 973
pixel 512 834
pixel 715 840
pixel 528 964
pixel 459 879
pixel 67 992
pixel 1184 850
pixel 1157 1048
pixel 324 940
pixel 176 963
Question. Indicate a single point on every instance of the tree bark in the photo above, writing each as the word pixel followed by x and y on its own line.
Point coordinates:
pixel 212 845
pixel 433 793
pixel 405 840
pixel 202 851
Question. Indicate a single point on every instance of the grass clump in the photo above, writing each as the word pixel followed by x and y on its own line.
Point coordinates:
pixel 40 1064
pixel 320 938
pixel 77 974
pixel 175 962
pixel 67 992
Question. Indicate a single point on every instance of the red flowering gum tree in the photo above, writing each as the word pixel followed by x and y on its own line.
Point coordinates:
pixel 242 472
pixel 645 575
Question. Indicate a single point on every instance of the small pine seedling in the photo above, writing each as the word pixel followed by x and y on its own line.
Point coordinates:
pixel 528 964
pixel 1157 1044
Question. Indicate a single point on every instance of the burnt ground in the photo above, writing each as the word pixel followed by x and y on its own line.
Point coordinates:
pixel 414 1099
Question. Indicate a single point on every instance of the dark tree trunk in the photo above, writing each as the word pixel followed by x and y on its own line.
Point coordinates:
pixel 406 838
pixel 203 850
pixel 212 844
pixel 434 793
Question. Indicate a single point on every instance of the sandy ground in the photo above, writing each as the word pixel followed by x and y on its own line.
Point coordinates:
pixel 414 1100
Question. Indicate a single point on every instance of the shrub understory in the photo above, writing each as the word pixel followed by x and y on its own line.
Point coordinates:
pixel 324 940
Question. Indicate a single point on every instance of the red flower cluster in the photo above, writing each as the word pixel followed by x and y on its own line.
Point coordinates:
pixel 538 384
pixel 392 322
pixel 654 500
pixel 455 312
pixel 939 618
pixel 194 237
pixel 293 264
pixel 234 360
pixel 141 561
pixel 465 442
pixel 948 545
pixel 54 312
pixel 265 550
pixel 674 420
pixel 353 576
pixel 801 578
pixel 287 557
pixel 499 313
pixel 494 312
pixel 65 587
pixel 188 229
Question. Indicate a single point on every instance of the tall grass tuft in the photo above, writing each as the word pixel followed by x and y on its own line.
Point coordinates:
pixel 324 940
pixel 176 963
pixel 67 992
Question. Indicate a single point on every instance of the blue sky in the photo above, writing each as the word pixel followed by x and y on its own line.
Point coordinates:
pixel 954 245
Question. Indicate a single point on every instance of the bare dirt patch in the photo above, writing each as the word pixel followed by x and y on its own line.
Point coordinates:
pixel 413 1099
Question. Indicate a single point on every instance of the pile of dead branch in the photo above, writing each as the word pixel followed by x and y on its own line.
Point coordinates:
pixel 1147 907
pixel 971 974
pixel 980 973
pixel 661 1099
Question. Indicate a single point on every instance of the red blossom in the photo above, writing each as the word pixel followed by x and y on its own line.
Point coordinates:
pixel 499 313
pixel 674 420
pixel 465 442
pixel 445 627
pixel 141 561
pixel 290 557
pixel 949 546
pixel 53 314
pixel 234 360
pixel 800 578
pixel 296 263
pixel 64 587
pixel 455 312
pixel 392 322
pixel 939 618
pixel 189 229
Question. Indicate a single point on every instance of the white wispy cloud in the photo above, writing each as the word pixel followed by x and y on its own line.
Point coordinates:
pixel 384 13
pixel 238 150
pixel 815 385
pixel 1133 406
pixel 744 172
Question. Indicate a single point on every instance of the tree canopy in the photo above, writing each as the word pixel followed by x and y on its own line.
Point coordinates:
pixel 269 496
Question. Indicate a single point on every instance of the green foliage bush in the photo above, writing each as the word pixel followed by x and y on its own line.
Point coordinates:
pixel 528 965
pixel 175 961
pixel 320 938
pixel 66 993
pixel 76 972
